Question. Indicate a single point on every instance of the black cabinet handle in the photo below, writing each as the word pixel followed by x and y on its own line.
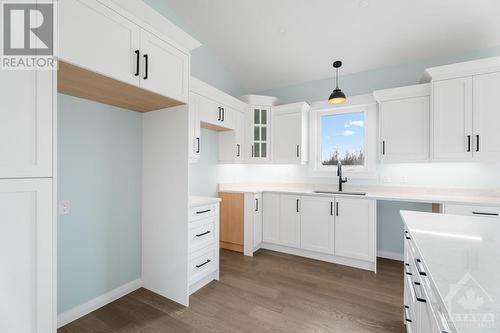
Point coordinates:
pixel 468 143
pixel 204 211
pixel 407 235
pixel 137 62
pixel 252 151
pixel 146 70
pixel 223 114
pixel 331 208
pixel 297 205
pixel 420 267
pixel 201 265
pixel 256 204
pixel 203 234
pixel 219 115
pixel 238 153
pixel 407 315
pixel 485 214
pixel 383 147
pixel 418 295
pixel 198 145
pixel 337 208
pixel 407 269
pixel 298 149
pixel 477 143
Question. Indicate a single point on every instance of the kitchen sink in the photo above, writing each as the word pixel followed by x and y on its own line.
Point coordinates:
pixel 340 192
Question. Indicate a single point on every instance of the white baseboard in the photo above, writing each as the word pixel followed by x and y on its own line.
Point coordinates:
pixel 390 255
pixel 96 303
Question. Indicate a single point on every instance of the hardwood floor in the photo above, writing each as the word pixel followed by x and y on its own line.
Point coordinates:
pixel 271 292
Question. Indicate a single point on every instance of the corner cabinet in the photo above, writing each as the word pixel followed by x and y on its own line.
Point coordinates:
pixel 290 133
pixel 404 120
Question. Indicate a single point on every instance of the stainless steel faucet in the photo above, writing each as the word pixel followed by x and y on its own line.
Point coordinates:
pixel 339 174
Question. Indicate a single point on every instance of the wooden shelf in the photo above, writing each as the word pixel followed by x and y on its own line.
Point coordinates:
pixel 79 82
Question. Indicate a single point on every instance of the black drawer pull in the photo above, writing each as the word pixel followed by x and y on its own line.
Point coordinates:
pixel 418 295
pixel 407 235
pixel 204 211
pixel 485 214
pixel 203 234
pixel 407 315
pixel 201 265
pixel 407 269
pixel 420 267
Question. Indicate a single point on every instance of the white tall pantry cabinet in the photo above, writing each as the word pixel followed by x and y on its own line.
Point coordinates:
pixel 27 230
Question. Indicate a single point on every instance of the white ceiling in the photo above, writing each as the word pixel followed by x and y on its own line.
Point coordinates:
pixel 274 43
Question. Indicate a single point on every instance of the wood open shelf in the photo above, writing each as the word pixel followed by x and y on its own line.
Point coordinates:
pixel 79 82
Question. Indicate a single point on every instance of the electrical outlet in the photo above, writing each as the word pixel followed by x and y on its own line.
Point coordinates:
pixel 64 207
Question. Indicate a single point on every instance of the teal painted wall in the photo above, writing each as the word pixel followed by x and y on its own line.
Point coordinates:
pixel 368 81
pixel 99 171
pixel 205 65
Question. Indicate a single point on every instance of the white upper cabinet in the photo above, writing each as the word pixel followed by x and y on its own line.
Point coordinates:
pixel 26 124
pixel 260 134
pixel 486 117
pixel 290 131
pixel 317 224
pixel 194 128
pixel 404 115
pixel 109 44
pixel 215 115
pixel 452 119
pixel 165 69
pixel 231 143
pixel 26 253
pixel 120 48
pixel 355 228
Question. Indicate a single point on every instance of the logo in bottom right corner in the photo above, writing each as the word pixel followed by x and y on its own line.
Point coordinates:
pixel 469 304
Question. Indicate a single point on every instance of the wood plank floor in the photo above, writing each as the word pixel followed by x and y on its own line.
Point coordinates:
pixel 271 292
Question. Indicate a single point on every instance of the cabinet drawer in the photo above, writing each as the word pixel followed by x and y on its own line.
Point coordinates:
pixel 472 210
pixel 202 263
pixel 201 212
pixel 202 233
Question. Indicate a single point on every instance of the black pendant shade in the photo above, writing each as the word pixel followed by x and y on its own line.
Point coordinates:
pixel 337 96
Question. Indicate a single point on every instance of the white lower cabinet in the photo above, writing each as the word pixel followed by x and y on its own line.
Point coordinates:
pixel 257 220
pixel 317 224
pixel 203 242
pixel 26 252
pixel 355 228
pixel 337 229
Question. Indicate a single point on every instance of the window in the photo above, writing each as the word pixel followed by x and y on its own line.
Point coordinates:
pixel 343 139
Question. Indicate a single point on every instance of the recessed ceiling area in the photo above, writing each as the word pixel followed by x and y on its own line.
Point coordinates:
pixel 268 44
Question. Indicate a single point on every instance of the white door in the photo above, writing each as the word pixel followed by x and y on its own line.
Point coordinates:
pixel 355 228
pixel 257 220
pixel 317 224
pixel 26 254
pixel 452 119
pixel 96 38
pixel 26 124
pixel 287 137
pixel 404 130
pixel 486 118
pixel 194 128
pixel 165 69
pixel 270 217
pixel 289 220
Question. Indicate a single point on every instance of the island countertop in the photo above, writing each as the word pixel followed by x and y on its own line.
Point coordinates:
pixel 462 256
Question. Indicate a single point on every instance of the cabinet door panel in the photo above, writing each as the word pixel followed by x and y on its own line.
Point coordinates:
pixel 486 117
pixel 452 119
pixel 26 253
pixel 317 224
pixel 167 68
pixel 287 136
pixel 209 111
pixel 231 142
pixel 289 220
pixel 257 220
pixel 91 47
pixel 355 228
pixel 271 215
pixel 404 129
pixel 194 128
pixel 26 124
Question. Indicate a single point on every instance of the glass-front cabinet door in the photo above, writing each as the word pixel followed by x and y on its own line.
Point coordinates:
pixel 260 133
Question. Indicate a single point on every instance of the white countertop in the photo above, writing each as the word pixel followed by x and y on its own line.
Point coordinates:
pixel 462 255
pixel 390 193
pixel 195 201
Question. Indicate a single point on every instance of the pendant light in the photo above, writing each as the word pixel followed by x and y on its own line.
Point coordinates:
pixel 337 95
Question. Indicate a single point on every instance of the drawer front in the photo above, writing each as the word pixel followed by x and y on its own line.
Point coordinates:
pixel 201 212
pixel 471 210
pixel 202 233
pixel 202 263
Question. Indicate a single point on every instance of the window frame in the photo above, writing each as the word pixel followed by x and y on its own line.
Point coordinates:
pixel 363 103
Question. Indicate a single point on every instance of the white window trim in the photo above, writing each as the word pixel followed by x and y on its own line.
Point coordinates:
pixel 362 103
